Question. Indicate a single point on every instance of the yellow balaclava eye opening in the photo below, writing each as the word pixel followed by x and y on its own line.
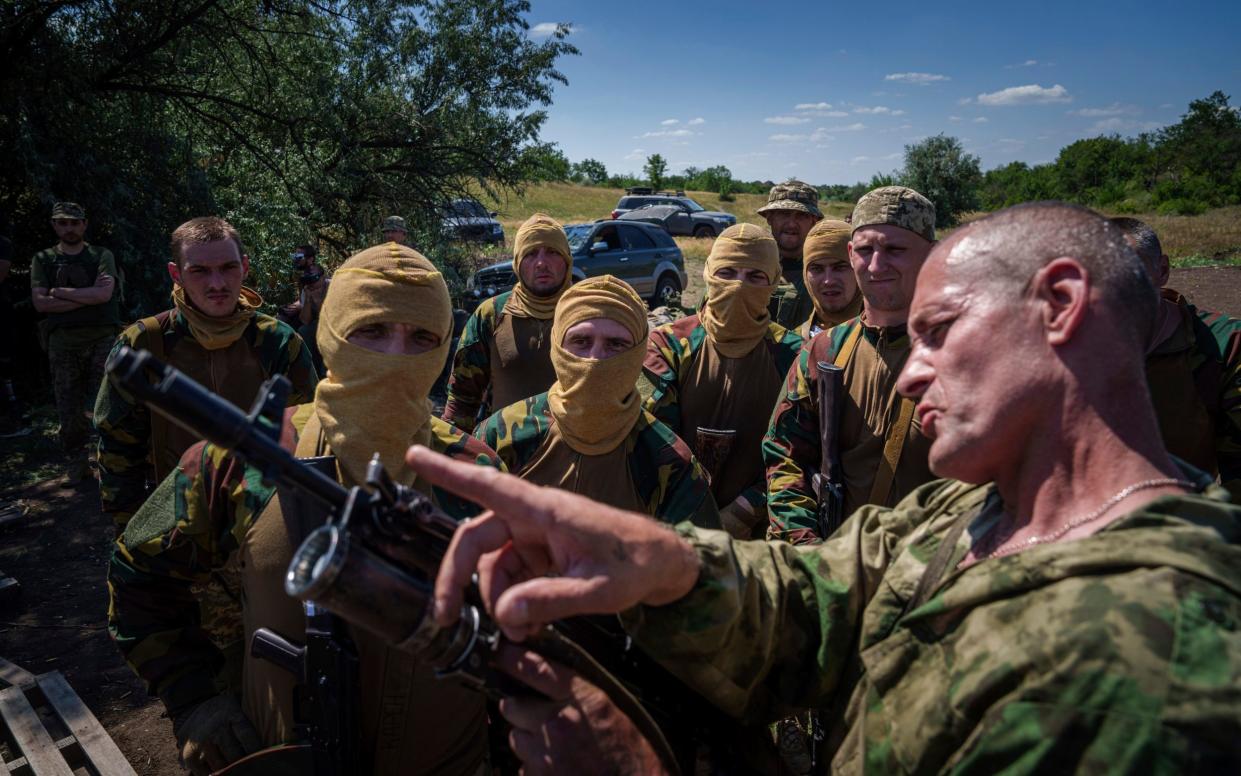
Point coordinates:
pixel 735 315
pixel 828 240
pixel 539 231
pixel 595 402
pixel 378 402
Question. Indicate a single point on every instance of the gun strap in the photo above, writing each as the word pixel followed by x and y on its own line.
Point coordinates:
pixel 846 350
pixel 892 447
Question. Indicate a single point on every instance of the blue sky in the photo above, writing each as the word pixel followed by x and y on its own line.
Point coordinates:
pixel 832 92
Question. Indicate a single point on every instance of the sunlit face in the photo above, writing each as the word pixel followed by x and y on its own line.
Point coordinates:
pixel 790 228
pixel 832 283
pixel 70 231
pixel 886 260
pixel 398 339
pixel 211 274
pixel 978 404
pixel 752 277
pixel 597 338
pixel 543 271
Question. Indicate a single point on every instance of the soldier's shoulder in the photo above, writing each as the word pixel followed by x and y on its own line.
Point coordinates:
pixel 270 326
pixel 936 504
pixel 684 335
pixel 521 422
pixel 658 441
pixel 827 343
pixel 451 441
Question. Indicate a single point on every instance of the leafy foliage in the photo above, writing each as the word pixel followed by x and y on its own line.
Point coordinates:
pixel 656 168
pixel 940 170
pixel 295 119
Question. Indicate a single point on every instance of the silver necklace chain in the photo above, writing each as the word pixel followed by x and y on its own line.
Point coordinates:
pixel 1124 493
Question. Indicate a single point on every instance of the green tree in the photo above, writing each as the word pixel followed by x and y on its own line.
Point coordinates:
pixel 939 169
pixel 301 119
pixel 655 169
pixel 591 171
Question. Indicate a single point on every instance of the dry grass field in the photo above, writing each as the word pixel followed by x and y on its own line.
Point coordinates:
pixel 1213 238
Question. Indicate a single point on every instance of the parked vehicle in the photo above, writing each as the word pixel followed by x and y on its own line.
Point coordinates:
pixel 703 219
pixel 467 219
pixel 677 219
pixel 641 254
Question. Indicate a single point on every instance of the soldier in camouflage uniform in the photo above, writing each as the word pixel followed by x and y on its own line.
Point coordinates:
pixel 384 328
pixel 1072 604
pixel 829 278
pixel 504 354
pixel 228 346
pixel 588 433
pixel 882 449
pixel 792 209
pixel 394 230
pixel 715 372
pixel 74 284
pixel 1193 371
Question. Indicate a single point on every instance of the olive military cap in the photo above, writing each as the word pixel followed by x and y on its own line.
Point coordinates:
pixel 793 195
pixel 68 210
pixel 896 206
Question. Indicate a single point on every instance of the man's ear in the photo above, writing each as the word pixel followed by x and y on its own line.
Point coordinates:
pixel 174 272
pixel 1062 288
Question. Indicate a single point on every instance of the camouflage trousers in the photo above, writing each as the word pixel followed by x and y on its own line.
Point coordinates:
pixel 219 607
pixel 77 372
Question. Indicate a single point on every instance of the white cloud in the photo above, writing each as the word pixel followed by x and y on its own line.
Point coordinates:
pixel 859 159
pixel 1027 63
pixel 1115 109
pixel 981 120
pixel 696 122
pixel 668 133
pixel 784 137
pixel 954 118
pixel 855 127
pixel 1117 124
pixel 1030 94
pixel 813 106
pixel 635 155
pixel 921 79
pixel 547 29
pixel 786 121
pixel 670 122
pixel 879 110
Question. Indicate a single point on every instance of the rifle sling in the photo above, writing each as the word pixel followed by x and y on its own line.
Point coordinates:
pixel 897 434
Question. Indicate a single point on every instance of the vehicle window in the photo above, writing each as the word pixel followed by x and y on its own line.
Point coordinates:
pixel 608 235
pixel 636 239
pixel 662 238
pixel 466 208
pixel 625 202
pixel 691 205
pixel 577 234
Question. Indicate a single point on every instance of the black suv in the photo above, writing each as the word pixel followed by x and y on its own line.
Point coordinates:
pixel 467 219
pixel 682 214
pixel 642 255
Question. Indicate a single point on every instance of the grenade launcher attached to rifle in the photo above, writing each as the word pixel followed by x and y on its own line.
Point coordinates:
pixel 373 564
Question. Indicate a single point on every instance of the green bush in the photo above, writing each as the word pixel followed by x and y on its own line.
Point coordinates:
pixel 1181 207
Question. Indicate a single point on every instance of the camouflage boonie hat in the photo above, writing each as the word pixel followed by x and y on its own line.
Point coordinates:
pixel 393 223
pixel 896 206
pixel 68 210
pixel 793 195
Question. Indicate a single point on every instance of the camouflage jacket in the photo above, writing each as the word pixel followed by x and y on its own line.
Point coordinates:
pixel 665 474
pixel 192 526
pixel 125 426
pixel 791 448
pixel 790 303
pixel 1195 383
pixel 673 347
pixel 1116 653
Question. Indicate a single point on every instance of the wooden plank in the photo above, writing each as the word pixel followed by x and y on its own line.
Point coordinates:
pixel 14 675
pixel 21 766
pixel 30 735
pixel 99 747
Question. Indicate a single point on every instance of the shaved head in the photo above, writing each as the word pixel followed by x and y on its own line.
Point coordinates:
pixel 1006 249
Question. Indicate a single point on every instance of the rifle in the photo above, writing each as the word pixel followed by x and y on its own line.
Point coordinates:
pixel 373 565
pixel 828 482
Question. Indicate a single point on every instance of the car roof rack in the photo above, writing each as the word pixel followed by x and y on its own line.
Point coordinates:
pixel 638 190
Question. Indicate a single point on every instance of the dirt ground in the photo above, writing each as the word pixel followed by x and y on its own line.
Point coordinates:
pixel 59 553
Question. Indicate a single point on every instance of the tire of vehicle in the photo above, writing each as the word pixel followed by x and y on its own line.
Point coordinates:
pixel 666 290
pixel 702 230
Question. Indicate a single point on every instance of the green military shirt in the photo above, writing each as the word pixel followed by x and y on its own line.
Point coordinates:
pixel 266 347
pixel 52 269
pixel 737 397
pixel 1115 653
pixel 665 479
pixel 500 359
pixel 791 304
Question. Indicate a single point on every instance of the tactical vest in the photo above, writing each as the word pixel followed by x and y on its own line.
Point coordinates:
pixel 521 359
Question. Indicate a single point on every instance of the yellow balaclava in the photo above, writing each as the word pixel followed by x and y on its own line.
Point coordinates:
pixel 216 333
pixel 539 231
pixel 594 401
pixel 735 315
pixel 829 240
pixel 377 402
